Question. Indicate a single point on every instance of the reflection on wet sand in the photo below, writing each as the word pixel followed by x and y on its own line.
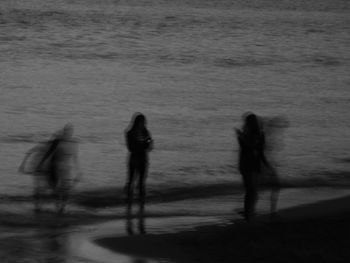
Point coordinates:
pixel 140 217
pixel 42 244
pixel 55 244
pixel 70 238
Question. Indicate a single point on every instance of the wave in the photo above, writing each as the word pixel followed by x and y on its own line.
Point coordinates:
pixel 108 197
pixel 44 136
pixel 15 87
pixel 324 60
pixel 115 196
pixel 243 62
pixel 24 138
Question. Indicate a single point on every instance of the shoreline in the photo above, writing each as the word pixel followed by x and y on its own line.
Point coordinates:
pixel 317 232
pixel 19 213
pixel 206 226
pixel 109 197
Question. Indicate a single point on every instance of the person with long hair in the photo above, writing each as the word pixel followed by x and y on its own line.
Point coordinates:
pixel 251 157
pixel 139 143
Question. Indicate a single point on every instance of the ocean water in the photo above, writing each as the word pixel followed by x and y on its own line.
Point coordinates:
pixel 192 67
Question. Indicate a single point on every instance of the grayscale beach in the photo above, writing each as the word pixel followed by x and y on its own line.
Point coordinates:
pixel 193 68
pixel 183 230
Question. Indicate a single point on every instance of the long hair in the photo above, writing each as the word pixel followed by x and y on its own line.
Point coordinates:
pixel 137 124
pixel 251 125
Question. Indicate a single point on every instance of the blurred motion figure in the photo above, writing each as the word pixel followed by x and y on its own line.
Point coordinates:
pixel 259 139
pixel 63 154
pixel 273 131
pixel 42 177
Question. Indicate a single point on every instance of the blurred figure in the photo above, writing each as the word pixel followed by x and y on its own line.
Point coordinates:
pixel 273 129
pixel 63 153
pixel 139 143
pixel 251 156
pixel 42 177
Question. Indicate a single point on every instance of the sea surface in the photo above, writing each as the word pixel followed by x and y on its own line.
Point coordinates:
pixel 193 68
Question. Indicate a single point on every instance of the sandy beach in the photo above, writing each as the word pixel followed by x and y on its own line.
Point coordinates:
pixel 312 225
pixel 318 232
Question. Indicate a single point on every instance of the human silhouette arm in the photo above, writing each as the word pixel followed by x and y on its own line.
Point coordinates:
pixel 149 142
pixel 77 163
pixel 261 151
pixel 50 151
pixel 130 143
pixel 241 139
pixel 21 168
pixel 238 133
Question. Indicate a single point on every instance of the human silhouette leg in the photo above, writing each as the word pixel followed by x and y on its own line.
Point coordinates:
pixel 251 196
pixel 129 225
pixel 38 192
pixel 275 190
pixel 130 182
pixel 141 219
pixel 62 197
pixel 142 185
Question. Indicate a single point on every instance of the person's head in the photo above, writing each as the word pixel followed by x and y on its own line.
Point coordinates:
pixel 251 122
pixel 67 131
pixel 139 121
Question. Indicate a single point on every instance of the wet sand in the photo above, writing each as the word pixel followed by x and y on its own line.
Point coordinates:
pixel 189 230
pixel 318 232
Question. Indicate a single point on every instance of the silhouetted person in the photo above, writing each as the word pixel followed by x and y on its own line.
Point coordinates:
pixel 139 143
pixel 41 175
pixel 251 156
pixel 63 154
